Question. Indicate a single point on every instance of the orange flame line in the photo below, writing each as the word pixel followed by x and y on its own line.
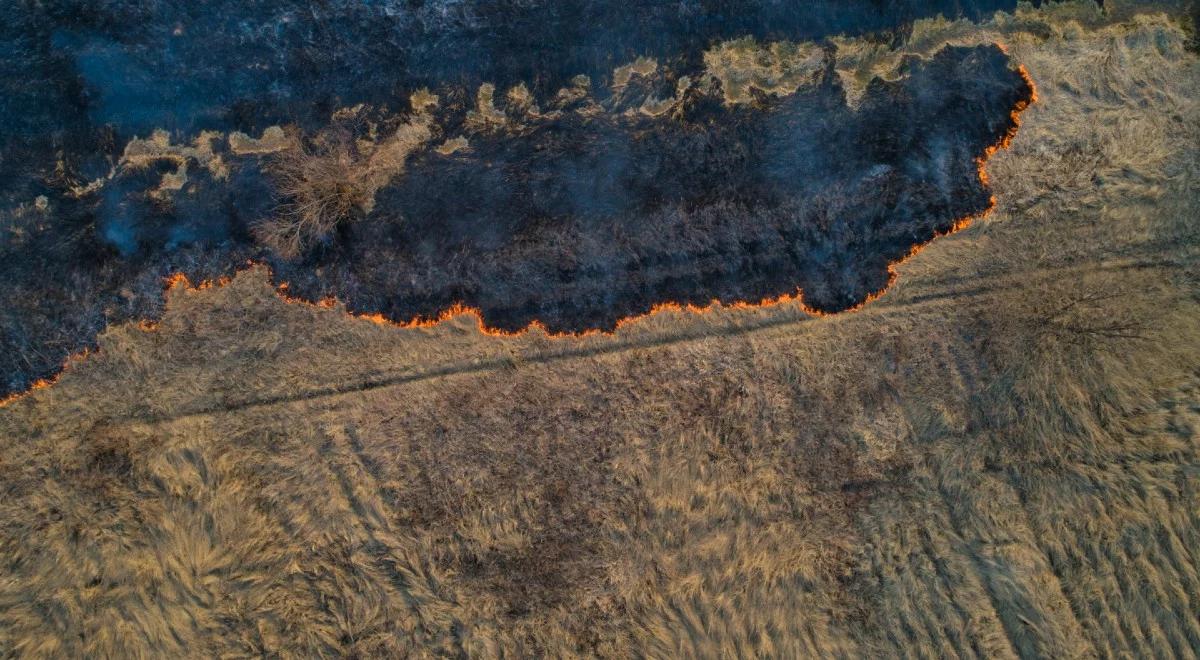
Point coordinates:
pixel 43 383
pixel 458 309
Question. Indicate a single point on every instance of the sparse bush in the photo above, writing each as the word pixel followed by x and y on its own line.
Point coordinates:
pixel 320 185
pixel 321 182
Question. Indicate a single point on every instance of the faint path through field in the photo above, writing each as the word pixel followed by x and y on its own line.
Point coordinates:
pixel 575 351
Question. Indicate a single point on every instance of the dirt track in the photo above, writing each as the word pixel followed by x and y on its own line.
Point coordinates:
pixel 575 349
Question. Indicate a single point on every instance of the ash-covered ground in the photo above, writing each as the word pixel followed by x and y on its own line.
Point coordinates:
pixel 597 186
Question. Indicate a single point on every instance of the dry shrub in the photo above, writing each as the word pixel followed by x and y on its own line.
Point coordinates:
pixel 323 181
pixel 320 185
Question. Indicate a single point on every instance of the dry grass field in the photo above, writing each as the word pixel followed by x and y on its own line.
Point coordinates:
pixel 997 458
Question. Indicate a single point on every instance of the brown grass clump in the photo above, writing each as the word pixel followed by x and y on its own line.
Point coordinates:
pixel 778 68
pixel 325 181
pixel 321 186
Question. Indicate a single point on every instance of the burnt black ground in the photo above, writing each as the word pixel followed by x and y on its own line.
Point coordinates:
pixel 575 222
pixel 585 221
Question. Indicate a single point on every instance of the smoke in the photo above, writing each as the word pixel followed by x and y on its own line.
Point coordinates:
pixel 575 214
pixel 580 220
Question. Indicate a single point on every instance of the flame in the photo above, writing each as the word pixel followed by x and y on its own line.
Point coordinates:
pixel 179 280
pixel 43 383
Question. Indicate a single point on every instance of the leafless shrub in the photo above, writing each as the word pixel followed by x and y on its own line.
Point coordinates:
pixel 322 182
pixel 320 185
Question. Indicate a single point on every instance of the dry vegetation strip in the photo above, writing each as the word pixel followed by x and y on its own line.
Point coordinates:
pixel 569 349
pixel 1012 474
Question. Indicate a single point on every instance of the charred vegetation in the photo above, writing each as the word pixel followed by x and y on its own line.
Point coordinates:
pixel 572 219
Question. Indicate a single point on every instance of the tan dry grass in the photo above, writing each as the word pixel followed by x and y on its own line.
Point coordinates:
pixel 975 465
